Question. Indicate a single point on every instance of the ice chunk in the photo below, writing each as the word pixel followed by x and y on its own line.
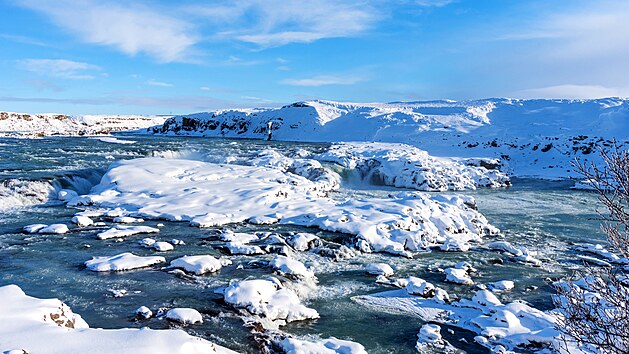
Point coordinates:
pixel 127 220
pixel 322 346
pixel 162 246
pixel 143 312
pixel 34 228
pixel 120 262
pixel 239 248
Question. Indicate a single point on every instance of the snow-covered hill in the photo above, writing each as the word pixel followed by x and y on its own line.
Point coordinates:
pixel 531 137
pixel 31 125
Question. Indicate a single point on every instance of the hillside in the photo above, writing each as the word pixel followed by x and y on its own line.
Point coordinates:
pixel 531 137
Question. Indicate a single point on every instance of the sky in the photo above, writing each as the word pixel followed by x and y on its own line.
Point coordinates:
pixel 171 57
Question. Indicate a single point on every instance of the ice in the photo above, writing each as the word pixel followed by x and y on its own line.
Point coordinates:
pixel 303 241
pixel 268 299
pixel 401 165
pixel 239 248
pixel 208 194
pixel 31 325
pixel 184 315
pixel 321 346
pixel 289 266
pixel 54 229
pixel 119 231
pixel 601 251
pixel 82 221
pixel 459 274
pixel 429 340
pixel 34 228
pixel 113 140
pixel 121 262
pixel 502 285
pixel 238 237
pixel 379 269
pixel 200 264
pixel 520 254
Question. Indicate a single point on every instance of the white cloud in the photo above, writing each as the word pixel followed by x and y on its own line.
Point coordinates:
pixel 573 92
pixel 323 80
pixel 270 23
pixel 159 83
pixel 60 68
pixel 131 29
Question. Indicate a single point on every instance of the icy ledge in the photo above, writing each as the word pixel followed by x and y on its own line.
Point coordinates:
pixel 207 194
pixel 401 165
pixel 32 325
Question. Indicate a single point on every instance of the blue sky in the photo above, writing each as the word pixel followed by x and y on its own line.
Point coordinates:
pixel 158 57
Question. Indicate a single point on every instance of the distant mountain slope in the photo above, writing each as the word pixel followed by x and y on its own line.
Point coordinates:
pixel 532 137
pixel 23 124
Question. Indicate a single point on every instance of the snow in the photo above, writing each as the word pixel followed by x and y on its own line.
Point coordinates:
pixel 239 248
pixel 124 231
pixel 200 264
pixel 121 262
pixel 303 241
pixel 290 266
pixel 113 140
pixel 144 312
pixel 513 325
pixel 502 285
pixel 36 125
pixel 402 165
pixel 520 253
pixel 54 229
pixel 529 137
pixel 379 269
pixel 82 221
pixel 321 346
pixel 268 299
pixel 239 237
pixel 207 194
pixel 184 315
pixel 459 274
pixel 33 228
pixel 429 340
pixel 162 246
pixel 126 220
pixel 32 325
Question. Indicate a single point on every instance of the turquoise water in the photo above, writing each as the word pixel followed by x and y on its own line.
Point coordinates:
pixel 547 217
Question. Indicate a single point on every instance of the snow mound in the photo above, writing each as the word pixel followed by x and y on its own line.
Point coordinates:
pixel 267 299
pixel 121 262
pixel 32 325
pixel 184 315
pixel 119 231
pixel 401 165
pixel 322 346
pixel 289 266
pixel 197 264
pixel 207 194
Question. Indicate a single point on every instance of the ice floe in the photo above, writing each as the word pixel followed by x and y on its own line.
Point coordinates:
pixel 31 325
pixel 34 228
pixel 208 194
pixel 120 262
pixel 82 221
pixel 54 229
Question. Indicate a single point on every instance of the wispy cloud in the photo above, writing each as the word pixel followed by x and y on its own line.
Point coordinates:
pixel 323 80
pixel 573 91
pixel 159 83
pixel 60 68
pixel 270 23
pixel 22 39
pixel 131 29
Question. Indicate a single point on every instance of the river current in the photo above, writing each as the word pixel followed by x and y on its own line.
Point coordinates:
pixel 545 216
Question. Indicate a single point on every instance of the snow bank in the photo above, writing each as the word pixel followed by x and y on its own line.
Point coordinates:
pixel 322 346
pixel 268 299
pixel 530 137
pixel 401 165
pixel 32 325
pixel 34 125
pixel 120 262
pixel 207 194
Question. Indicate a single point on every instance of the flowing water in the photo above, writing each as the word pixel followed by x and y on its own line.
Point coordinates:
pixel 547 217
